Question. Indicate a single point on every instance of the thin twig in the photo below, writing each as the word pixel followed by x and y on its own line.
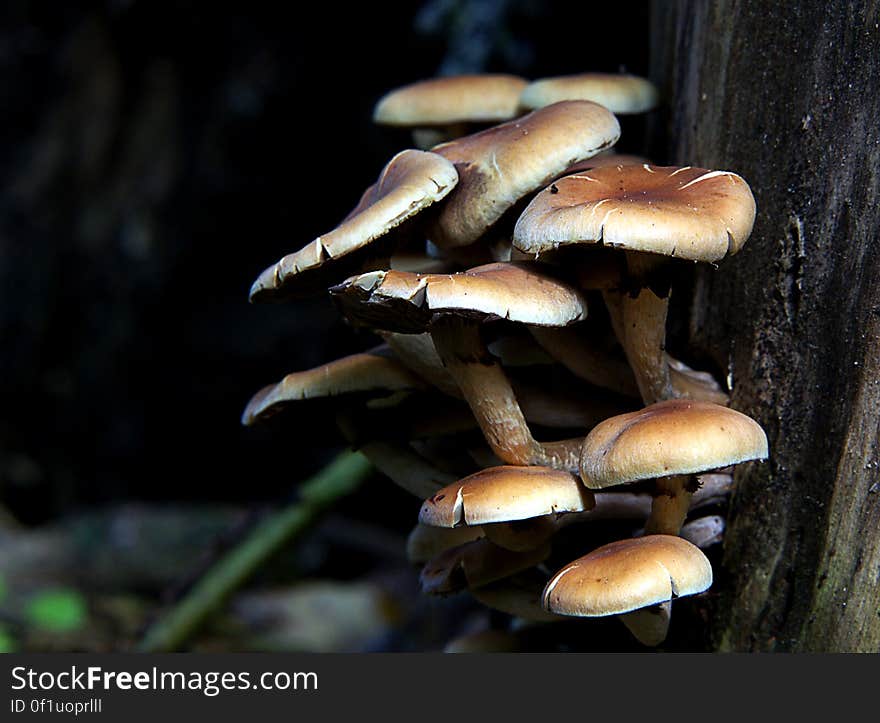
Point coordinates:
pixel 338 479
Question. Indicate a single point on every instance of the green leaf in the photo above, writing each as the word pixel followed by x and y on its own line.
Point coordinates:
pixel 58 610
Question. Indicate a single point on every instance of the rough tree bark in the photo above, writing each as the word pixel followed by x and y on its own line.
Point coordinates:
pixel 788 95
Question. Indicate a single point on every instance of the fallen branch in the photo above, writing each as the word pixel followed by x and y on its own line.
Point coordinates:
pixel 338 479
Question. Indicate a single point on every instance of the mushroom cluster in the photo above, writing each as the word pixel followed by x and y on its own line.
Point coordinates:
pixel 518 278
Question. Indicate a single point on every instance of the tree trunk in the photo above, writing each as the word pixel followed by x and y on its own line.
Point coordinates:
pixel 788 96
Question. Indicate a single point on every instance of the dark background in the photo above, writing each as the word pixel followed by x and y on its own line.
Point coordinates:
pixel 155 158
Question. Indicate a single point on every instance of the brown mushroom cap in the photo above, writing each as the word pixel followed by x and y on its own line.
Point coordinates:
pixel 372 371
pixel 502 494
pixel 485 98
pixel 628 575
pixel 406 302
pixel 499 166
pixel 619 93
pixel 409 183
pixel 688 213
pixel 674 437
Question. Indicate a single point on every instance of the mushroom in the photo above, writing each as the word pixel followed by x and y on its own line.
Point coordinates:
pixel 453 306
pixel 502 494
pixel 410 182
pixel 669 442
pixel 628 575
pixel 653 213
pixel 502 165
pixel 619 93
pixel 374 372
pixel 496 496
pixel 439 109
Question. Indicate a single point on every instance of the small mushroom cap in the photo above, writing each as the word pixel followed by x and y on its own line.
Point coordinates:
pixel 502 494
pixel 374 371
pixel 485 98
pixel 669 438
pixel 409 183
pixel 619 93
pixel 628 575
pixel 501 165
pixel 475 564
pixel 688 213
pixel 406 302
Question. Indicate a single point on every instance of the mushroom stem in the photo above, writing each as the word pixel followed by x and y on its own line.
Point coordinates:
pixel 490 396
pixel 486 388
pixel 649 625
pixel 672 499
pixel 644 324
pixel 564 454
pixel 639 322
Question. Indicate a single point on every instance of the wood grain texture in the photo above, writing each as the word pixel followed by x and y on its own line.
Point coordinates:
pixel 788 96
